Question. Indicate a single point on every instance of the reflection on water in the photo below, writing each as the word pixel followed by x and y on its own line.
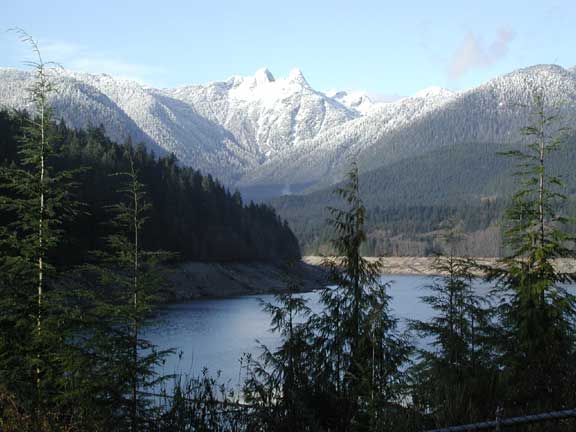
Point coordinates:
pixel 215 333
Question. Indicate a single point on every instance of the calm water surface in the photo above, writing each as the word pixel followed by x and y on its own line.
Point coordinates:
pixel 215 333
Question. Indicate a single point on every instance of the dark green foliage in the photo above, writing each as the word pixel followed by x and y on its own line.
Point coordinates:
pixel 536 313
pixel 191 214
pixel 456 378
pixel 338 369
pixel 39 363
pixel 409 200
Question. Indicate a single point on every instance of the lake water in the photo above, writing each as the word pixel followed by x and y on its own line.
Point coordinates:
pixel 215 333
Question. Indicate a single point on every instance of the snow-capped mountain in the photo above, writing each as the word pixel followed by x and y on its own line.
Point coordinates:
pixel 266 116
pixel 224 128
pixel 258 131
pixel 356 101
pixel 490 114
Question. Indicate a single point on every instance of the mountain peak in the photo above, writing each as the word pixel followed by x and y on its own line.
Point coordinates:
pixel 337 94
pixel 297 77
pixel 263 75
pixel 538 69
pixel 434 91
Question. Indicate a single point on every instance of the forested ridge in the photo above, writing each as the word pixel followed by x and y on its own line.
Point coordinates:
pixel 192 214
pixel 409 203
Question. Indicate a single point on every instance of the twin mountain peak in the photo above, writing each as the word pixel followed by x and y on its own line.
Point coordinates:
pixel 265 132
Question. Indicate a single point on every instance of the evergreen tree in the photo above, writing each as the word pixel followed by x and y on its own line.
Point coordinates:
pixel 537 335
pixel 359 350
pixel 279 386
pixel 338 369
pixel 38 358
pixel 129 280
pixel 455 378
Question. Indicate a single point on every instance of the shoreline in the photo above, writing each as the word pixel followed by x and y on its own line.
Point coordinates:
pixel 202 280
pixel 424 266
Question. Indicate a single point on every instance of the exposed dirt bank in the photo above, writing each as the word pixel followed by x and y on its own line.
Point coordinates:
pixel 424 265
pixel 202 280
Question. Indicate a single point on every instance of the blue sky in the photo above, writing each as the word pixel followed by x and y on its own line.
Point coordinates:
pixel 384 47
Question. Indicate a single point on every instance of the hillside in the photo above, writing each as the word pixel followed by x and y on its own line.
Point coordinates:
pixel 222 128
pixel 269 136
pixel 409 202
pixel 491 113
pixel 192 214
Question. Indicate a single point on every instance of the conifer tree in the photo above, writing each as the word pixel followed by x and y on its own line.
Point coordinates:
pixel 36 339
pixel 338 369
pixel 359 348
pixel 455 377
pixel 537 335
pixel 129 279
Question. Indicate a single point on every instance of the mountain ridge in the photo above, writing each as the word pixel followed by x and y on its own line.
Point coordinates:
pixel 490 113
pixel 280 134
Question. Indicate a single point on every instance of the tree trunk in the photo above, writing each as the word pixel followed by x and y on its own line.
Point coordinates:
pixel 135 305
pixel 40 288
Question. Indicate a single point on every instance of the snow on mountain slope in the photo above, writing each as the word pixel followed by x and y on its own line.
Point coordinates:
pixel 78 102
pixel 318 160
pixel 258 131
pixel 491 113
pixel 267 116
pixel 224 128
pixel 356 101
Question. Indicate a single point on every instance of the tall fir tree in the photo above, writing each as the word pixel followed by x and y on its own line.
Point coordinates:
pixel 339 369
pixel 537 312
pixel 455 376
pixel 128 282
pixel 359 349
pixel 37 354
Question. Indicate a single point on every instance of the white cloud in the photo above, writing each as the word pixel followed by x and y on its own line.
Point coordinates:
pixel 473 53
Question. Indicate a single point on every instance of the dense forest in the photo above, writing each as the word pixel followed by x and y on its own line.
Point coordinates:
pixel 192 214
pixel 409 203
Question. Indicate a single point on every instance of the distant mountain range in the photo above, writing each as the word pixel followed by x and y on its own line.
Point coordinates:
pixel 227 129
pixel 271 136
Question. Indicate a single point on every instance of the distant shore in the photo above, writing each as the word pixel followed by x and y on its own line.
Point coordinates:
pixel 425 265
pixel 391 265
pixel 194 280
